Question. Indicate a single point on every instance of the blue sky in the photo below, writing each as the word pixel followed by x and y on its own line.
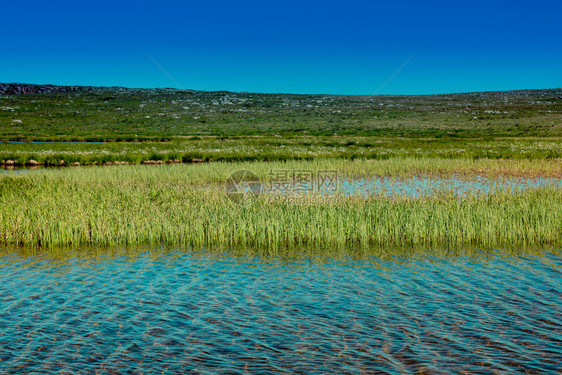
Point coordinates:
pixel 344 47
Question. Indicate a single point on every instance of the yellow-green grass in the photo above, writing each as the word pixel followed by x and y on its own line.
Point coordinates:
pixel 186 205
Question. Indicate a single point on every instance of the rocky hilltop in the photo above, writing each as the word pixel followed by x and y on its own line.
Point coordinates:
pixel 26 88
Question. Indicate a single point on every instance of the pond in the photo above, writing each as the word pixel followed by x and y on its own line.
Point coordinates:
pixel 184 311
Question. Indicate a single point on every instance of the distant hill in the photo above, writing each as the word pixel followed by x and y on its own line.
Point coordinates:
pixel 29 88
pixel 51 112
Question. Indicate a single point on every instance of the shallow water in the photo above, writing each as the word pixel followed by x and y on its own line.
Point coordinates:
pixel 23 170
pixel 12 171
pixel 414 187
pixel 426 186
pixel 191 311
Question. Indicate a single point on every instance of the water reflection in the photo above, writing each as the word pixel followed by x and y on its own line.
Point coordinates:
pixel 216 313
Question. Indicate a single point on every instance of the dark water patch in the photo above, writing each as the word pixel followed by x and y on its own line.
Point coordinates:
pixel 52 142
pixel 215 314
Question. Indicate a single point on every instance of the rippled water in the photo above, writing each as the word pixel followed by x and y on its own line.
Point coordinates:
pixel 185 312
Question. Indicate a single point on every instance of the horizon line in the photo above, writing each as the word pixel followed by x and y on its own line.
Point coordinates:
pixel 278 93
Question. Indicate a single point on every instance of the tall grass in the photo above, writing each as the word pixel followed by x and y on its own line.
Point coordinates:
pixel 187 205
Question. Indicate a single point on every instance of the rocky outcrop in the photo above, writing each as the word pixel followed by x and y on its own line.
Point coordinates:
pixel 27 88
pixel 24 88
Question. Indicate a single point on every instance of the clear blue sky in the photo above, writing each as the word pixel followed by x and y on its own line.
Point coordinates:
pixel 347 47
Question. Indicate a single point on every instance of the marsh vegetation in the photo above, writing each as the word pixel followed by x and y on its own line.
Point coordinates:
pixel 187 205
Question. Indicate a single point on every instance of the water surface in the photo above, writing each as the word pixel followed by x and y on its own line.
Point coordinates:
pixel 52 142
pixel 413 187
pixel 420 186
pixel 197 312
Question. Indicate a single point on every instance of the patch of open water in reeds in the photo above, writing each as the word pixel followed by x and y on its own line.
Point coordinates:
pixel 420 186
pixel 191 311
pixel 416 187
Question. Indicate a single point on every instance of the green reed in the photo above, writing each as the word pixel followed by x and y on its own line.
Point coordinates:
pixel 271 148
pixel 186 205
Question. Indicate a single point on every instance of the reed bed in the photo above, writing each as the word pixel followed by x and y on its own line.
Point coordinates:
pixel 269 148
pixel 186 205
pixel 402 167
